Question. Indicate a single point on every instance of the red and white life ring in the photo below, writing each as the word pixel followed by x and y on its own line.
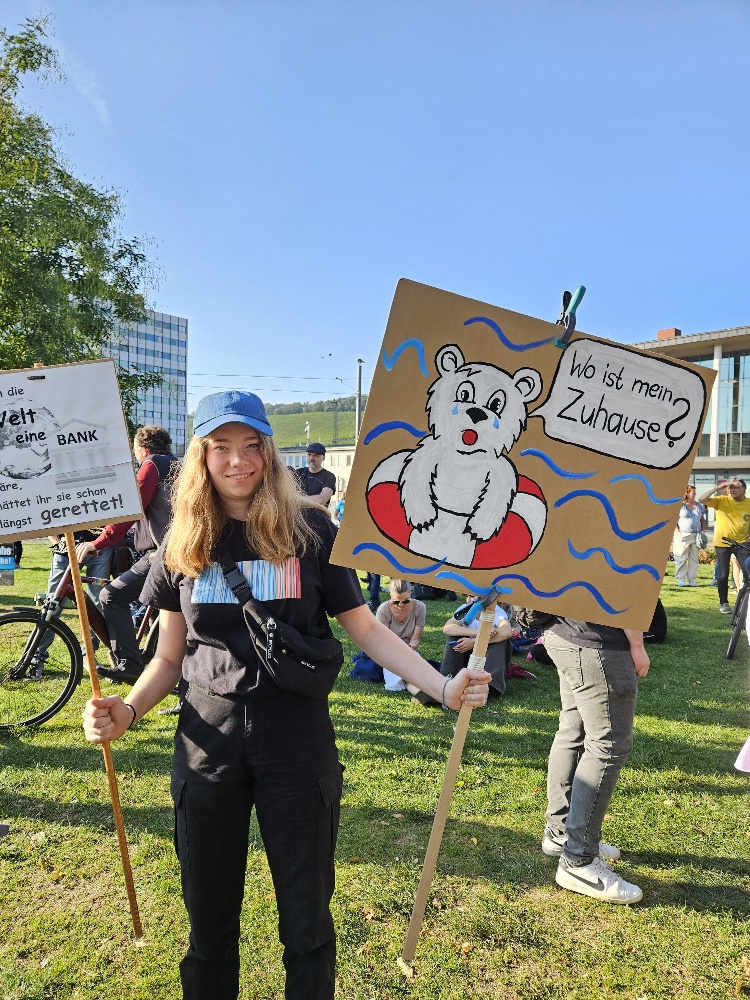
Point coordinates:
pixel 517 538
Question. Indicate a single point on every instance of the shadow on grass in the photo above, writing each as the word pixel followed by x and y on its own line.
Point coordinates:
pixel 474 849
pixel 153 754
pixel 155 820
pixel 662 753
pixel 10 601
pixel 523 737
pixel 517 729
pixel 696 894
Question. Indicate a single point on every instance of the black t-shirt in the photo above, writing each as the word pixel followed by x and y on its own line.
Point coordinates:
pixel 313 482
pixel 589 635
pixel 300 591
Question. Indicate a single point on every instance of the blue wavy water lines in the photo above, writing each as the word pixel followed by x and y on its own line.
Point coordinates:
pixel 508 343
pixel 371 546
pixel 553 465
pixel 418 346
pixel 625 570
pixel 467 585
pixel 627 536
pixel 649 490
pixel 568 586
pixel 393 425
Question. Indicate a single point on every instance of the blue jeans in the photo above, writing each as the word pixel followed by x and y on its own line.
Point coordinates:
pixel 96 564
pixel 598 690
pixel 373 586
pixel 722 571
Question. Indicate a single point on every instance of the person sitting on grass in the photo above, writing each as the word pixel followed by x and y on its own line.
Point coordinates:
pixel 406 618
pixel 460 645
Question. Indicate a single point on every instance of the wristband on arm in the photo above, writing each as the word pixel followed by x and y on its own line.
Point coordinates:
pixel 135 715
pixel 442 700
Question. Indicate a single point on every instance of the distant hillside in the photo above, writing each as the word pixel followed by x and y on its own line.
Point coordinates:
pixel 289 428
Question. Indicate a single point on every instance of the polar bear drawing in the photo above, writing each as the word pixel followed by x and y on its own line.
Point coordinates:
pixel 456 496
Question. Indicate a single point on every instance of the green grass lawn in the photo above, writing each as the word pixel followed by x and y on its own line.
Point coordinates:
pixel 496 925
pixel 289 428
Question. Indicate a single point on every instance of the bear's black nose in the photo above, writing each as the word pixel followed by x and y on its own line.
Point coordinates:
pixel 476 414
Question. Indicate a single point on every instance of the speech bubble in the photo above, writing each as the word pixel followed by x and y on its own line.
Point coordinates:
pixel 618 402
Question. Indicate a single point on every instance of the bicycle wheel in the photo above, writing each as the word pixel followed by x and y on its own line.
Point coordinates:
pixel 738 621
pixel 152 640
pixel 34 686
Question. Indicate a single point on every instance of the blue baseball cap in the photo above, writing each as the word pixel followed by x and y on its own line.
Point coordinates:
pixel 230 407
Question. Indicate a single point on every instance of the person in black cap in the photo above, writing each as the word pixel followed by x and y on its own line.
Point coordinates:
pixel 242 742
pixel 318 483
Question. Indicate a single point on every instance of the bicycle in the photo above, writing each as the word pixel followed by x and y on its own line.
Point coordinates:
pixel 41 662
pixel 739 615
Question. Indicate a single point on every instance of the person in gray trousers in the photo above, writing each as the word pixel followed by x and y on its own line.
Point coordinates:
pixel 152 447
pixel 598 668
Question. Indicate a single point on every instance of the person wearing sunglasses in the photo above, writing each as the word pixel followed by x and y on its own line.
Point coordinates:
pixel 406 617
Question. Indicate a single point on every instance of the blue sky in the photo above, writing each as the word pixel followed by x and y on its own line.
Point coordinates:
pixel 292 160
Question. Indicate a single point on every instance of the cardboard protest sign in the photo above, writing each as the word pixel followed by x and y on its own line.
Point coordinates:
pixel 488 455
pixel 65 459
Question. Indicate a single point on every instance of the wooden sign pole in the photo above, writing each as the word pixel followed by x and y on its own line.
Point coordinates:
pixel 106 748
pixel 487 618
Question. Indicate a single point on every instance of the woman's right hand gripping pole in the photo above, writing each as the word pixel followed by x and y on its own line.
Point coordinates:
pixel 106 718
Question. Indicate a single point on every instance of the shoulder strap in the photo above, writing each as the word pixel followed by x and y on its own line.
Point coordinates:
pixel 236 581
pixel 240 587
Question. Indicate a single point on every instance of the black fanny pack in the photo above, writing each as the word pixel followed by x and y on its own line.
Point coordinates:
pixel 295 662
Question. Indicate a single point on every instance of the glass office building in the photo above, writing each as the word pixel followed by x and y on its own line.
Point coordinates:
pixel 725 442
pixel 159 345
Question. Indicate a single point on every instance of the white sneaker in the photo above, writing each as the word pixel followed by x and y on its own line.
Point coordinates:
pixel 598 881
pixel 553 849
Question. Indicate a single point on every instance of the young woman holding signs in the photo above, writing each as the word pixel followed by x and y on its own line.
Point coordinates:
pixel 241 740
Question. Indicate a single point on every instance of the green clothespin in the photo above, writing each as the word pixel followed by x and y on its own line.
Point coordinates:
pixel 567 318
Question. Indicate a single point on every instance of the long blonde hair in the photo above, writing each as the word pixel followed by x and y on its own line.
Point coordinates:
pixel 275 528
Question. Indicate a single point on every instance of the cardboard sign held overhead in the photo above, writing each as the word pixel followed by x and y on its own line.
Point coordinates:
pixel 488 455
pixel 65 459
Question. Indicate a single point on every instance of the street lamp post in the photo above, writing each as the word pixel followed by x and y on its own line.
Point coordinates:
pixel 358 401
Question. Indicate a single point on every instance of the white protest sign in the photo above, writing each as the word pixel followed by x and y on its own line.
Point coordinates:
pixel 614 401
pixel 65 459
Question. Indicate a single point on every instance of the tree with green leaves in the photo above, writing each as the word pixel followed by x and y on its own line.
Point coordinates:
pixel 68 277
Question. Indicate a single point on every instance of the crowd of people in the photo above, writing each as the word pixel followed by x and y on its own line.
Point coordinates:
pixel 243 741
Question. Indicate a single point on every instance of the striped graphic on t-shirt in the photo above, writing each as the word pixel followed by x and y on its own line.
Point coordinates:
pixel 268 582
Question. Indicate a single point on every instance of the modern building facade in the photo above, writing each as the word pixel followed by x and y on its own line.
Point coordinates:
pixel 725 443
pixel 159 345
